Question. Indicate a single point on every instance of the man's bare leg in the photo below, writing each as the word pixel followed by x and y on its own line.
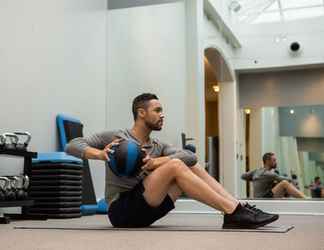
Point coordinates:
pixel 158 183
pixel 212 182
pixel 285 187
pixel 174 192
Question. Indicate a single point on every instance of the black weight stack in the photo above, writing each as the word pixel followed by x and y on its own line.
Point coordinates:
pixel 56 188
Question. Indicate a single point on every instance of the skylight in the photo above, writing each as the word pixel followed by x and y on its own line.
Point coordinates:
pixel 262 11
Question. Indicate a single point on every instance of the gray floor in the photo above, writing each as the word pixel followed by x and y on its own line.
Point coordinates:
pixel 307 234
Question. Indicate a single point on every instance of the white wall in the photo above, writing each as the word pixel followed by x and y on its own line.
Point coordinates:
pixel 214 38
pixel 222 7
pixel 259 44
pixel 195 87
pixel 147 53
pixel 52 60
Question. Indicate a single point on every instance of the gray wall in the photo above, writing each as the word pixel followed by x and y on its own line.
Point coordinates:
pixel 282 88
pixel 52 60
pixel 120 4
pixel 317 156
pixel 310 144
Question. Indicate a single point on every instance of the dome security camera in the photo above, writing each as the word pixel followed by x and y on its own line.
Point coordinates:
pixel 294 47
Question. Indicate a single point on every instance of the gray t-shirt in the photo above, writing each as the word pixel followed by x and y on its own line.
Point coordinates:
pixel 115 184
pixel 263 180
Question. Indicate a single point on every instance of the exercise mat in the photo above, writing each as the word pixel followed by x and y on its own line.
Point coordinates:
pixel 265 229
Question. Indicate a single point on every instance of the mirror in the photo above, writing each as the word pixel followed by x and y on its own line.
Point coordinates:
pixel 295 136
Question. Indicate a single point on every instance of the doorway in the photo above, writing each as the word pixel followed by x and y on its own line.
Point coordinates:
pixel 211 119
pixel 220 118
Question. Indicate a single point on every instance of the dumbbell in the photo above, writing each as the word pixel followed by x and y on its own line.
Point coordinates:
pixel 13 140
pixel 22 145
pixel 21 184
pixel 11 190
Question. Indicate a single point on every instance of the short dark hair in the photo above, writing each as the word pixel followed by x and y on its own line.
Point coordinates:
pixel 141 101
pixel 267 156
pixel 317 178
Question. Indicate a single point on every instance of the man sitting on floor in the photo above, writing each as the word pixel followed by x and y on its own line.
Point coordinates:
pixel 268 184
pixel 141 200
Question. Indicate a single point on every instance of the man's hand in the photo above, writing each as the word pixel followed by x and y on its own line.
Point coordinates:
pixel 149 163
pixel 108 149
pixel 97 154
pixel 152 163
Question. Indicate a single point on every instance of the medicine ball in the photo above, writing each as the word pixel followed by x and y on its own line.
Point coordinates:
pixel 126 158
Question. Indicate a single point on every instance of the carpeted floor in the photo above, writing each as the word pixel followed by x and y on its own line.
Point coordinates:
pixel 308 234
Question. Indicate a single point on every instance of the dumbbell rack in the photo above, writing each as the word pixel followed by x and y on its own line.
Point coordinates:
pixel 27 155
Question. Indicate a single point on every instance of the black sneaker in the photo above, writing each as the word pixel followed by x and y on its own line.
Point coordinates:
pixel 244 217
pixel 257 210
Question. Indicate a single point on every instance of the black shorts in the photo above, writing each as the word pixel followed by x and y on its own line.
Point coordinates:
pixel 132 210
pixel 269 194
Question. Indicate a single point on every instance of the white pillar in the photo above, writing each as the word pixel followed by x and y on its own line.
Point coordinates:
pixel 195 95
pixel 227 136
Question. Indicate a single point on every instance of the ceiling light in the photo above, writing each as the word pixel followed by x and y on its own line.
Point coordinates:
pixel 216 88
pixel 292 111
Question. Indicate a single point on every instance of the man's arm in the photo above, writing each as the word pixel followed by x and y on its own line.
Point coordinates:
pixel 153 163
pixel 91 147
pixel 248 176
pixel 276 177
pixel 168 153
pixel 281 178
pixel 189 158
pixel 97 154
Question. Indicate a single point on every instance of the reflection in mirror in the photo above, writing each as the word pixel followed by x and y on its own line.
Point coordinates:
pixel 284 148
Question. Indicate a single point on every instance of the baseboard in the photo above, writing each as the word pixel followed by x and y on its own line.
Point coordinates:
pixel 285 206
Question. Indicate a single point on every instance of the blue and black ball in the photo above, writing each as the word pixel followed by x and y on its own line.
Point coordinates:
pixel 126 158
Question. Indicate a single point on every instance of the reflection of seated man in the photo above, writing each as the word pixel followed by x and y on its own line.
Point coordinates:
pixel 268 184
pixel 316 188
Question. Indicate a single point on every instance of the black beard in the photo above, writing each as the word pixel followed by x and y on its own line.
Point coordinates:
pixel 153 126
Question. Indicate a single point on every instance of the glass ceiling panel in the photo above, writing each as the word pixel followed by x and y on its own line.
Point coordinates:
pixel 273 7
pixel 299 3
pixel 259 11
pixel 303 13
pixel 267 18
